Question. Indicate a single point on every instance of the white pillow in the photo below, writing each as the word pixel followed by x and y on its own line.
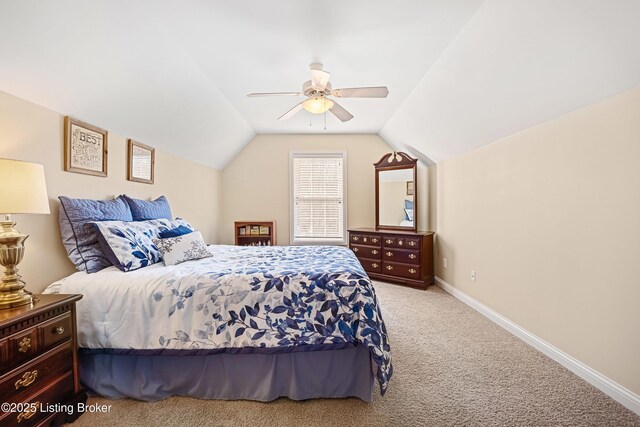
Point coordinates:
pixel 409 214
pixel 187 247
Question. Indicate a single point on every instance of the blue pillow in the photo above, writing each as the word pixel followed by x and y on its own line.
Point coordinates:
pixel 79 237
pixel 143 210
pixel 175 232
pixel 408 204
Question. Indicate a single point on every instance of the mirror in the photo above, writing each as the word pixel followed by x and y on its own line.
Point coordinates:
pixel 396 192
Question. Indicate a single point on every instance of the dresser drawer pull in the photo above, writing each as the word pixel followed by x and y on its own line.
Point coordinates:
pixel 412 256
pixel 60 330
pixel 355 249
pixel 412 271
pixel 389 241
pixel 374 265
pixel 389 253
pixel 389 267
pixel 28 413
pixel 355 238
pixel 24 345
pixel 374 252
pixel 400 242
pixel 374 240
pixel 27 379
pixel 364 239
pixel 412 243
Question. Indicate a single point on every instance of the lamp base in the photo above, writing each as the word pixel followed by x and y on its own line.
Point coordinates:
pixel 12 293
pixel 15 299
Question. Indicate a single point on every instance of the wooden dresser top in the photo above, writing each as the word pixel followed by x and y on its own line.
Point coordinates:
pixel 399 232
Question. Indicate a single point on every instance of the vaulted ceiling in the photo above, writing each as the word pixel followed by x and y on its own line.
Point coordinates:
pixel 175 74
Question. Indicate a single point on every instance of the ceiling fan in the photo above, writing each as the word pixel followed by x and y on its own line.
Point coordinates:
pixel 318 89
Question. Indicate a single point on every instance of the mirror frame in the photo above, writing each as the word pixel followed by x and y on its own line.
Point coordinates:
pixel 394 161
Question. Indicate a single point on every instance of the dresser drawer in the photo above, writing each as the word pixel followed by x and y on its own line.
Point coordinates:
pixel 401 255
pixel 401 270
pixel 366 251
pixel 373 266
pixel 365 239
pixel 22 346
pixel 55 330
pixel 401 242
pixel 32 376
pixel 59 391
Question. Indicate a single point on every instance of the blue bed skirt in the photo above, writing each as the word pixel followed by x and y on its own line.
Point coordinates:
pixel 263 377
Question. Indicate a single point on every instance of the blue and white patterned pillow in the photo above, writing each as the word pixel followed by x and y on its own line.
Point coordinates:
pixel 187 247
pixel 129 245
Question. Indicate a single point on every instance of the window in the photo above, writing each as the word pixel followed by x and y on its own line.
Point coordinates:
pixel 318 208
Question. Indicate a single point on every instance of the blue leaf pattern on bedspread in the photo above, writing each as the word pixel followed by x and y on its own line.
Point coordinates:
pixel 289 298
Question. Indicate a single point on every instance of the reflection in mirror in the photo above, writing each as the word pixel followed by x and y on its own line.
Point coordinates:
pixel 396 197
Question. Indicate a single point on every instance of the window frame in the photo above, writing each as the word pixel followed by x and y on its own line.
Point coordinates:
pixel 316 241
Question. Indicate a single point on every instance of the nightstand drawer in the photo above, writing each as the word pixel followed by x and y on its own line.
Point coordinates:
pixel 22 346
pixel 59 391
pixel 55 330
pixel 30 377
pixel 366 252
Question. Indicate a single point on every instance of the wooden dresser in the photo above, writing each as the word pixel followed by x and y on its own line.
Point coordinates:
pixel 404 257
pixel 38 363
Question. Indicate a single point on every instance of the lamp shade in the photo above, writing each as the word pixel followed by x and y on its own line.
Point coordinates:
pixel 22 188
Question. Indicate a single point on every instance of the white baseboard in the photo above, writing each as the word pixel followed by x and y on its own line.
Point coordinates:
pixel 617 392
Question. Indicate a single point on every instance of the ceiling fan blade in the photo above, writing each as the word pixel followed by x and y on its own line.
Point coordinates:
pixel 291 112
pixel 319 78
pixel 340 112
pixel 275 94
pixel 362 92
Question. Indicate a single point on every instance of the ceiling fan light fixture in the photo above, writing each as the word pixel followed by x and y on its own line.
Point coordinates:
pixel 317 104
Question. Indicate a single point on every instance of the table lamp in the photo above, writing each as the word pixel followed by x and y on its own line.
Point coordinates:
pixel 22 191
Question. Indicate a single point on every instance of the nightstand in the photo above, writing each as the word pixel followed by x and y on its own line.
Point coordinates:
pixel 39 363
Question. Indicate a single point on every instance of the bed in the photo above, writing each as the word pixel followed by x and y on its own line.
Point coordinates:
pixel 252 323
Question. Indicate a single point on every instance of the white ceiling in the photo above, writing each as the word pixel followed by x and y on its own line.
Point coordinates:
pixel 175 74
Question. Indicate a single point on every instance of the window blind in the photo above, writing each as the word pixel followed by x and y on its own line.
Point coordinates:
pixel 318 197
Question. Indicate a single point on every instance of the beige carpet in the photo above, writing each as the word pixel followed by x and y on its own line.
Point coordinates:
pixel 452 367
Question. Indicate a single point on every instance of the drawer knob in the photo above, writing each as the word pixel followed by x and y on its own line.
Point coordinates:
pixel 355 249
pixel 412 243
pixel 374 240
pixel 400 242
pixel 24 345
pixel 389 241
pixel 27 379
pixel 355 238
pixel 374 265
pixel 364 239
pixel 412 256
pixel 28 413
pixel 412 271
pixel 374 252
pixel 389 253
pixel 60 330
pixel 389 267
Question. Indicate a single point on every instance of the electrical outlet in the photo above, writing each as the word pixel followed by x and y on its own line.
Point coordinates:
pixel 473 275
pixel 444 263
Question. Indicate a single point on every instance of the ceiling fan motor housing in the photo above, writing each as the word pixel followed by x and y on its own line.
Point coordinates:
pixel 309 90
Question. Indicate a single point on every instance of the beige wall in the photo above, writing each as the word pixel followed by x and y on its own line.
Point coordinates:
pixel 256 182
pixel 550 220
pixel 33 133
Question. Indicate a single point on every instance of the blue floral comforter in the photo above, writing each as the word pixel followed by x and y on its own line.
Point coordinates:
pixel 242 299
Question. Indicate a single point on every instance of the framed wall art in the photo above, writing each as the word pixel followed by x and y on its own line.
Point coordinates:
pixel 410 188
pixel 141 162
pixel 85 148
